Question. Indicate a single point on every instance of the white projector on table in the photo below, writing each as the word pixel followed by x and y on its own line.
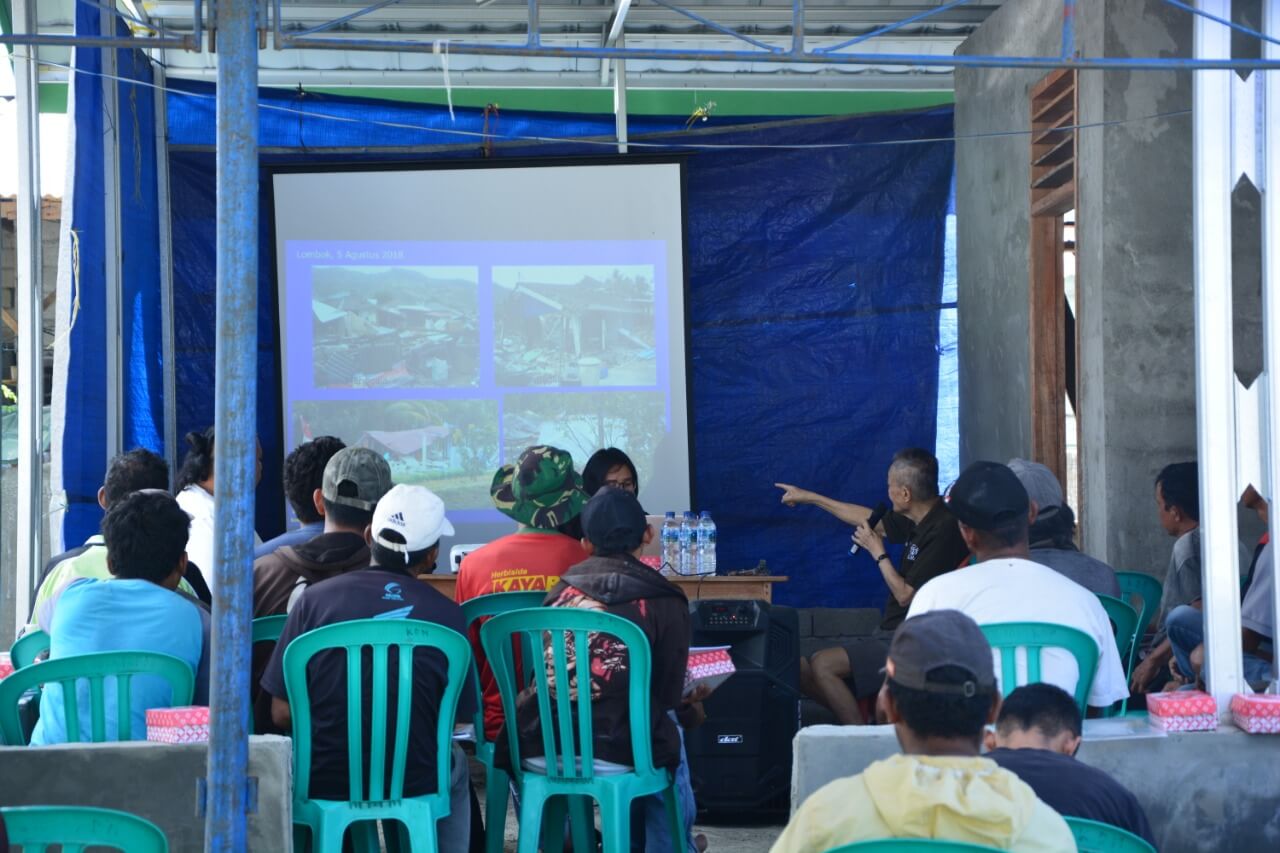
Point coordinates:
pixel 457 552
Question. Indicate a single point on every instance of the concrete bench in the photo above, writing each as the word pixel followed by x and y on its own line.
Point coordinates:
pixel 1202 791
pixel 154 781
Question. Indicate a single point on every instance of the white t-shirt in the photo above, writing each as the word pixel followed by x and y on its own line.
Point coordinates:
pixel 1017 590
pixel 1255 610
pixel 198 504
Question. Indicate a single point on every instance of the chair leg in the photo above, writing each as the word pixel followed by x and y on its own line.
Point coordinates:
pixel 581 824
pixel 615 817
pixel 671 799
pixel 553 815
pixel 326 835
pixel 532 801
pixel 496 793
pixel 364 836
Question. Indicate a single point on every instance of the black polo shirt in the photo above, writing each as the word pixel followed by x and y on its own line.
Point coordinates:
pixel 370 593
pixel 932 547
pixel 1074 789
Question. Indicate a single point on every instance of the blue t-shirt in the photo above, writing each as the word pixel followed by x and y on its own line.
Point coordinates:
pixel 119 615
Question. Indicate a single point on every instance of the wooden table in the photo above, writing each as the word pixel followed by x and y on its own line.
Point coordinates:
pixel 738 587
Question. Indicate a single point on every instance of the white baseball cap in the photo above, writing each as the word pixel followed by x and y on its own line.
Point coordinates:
pixel 416 513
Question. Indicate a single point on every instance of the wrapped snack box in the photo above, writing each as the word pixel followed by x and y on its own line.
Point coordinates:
pixel 6 665
pixel 709 665
pixel 1183 711
pixel 1256 713
pixel 187 724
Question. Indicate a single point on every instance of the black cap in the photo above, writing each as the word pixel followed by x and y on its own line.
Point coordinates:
pixel 939 638
pixel 613 521
pixel 986 495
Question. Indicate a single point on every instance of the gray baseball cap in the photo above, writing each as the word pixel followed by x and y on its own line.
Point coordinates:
pixel 356 477
pixel 1042 487
pixel 939 638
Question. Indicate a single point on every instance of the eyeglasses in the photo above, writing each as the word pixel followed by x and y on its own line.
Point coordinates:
pixel 628 484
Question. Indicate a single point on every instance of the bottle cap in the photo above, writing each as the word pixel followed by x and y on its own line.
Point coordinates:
pixel 671 514
pixel 705 514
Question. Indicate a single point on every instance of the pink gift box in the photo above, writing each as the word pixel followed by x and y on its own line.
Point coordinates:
pixel 1183 711
pixel 1256 713
pixel 186 724
pixel 709 665
pixel 6 665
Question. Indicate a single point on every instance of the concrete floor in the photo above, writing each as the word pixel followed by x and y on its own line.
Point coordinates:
pixel 720 839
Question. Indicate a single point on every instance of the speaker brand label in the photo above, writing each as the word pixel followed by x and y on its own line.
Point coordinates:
pixel 730 739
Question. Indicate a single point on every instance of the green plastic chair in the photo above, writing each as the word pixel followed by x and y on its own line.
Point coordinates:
pixel 570 777
pixel 33 829
pixel 96 669
pixel 329 819
pixel 1095 837
pixel 27 648
pixel 1148 591
pixel 907 845
pixel 1124 622
pixel 497 784
pixel 268 628
pixel 1008 637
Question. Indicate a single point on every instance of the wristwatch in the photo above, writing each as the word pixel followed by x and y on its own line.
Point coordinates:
pixel 882 557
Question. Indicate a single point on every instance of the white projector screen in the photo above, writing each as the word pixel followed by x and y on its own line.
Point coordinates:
pixel 451 317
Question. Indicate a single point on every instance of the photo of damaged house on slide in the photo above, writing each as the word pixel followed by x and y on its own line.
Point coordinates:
pixel 394 327
pixel 574 325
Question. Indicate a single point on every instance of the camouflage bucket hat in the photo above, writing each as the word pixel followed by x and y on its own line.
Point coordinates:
pixel 541 490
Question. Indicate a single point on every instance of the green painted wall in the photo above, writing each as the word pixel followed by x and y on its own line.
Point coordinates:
pixel 729 102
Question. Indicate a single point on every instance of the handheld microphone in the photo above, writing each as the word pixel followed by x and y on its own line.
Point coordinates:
pixel 881 509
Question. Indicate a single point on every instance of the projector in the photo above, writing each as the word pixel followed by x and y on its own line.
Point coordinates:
pixel 457 552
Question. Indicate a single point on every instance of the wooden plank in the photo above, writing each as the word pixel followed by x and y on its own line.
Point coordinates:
pixel 1053 83
pixel 1054 153
pixel 736 587
pixel 1053 202
pixel 9 320
pixel 1054 176
pixel 1052 110
pixel 1048 346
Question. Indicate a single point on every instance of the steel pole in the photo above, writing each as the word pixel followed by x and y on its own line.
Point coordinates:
pixel 1215 374
pixel 235 400
pixel 113 278
pixel 1271 286
pixel 30 529
pixel 166 269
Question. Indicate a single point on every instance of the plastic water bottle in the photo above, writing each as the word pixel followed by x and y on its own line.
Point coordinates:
pixel 670 545
pixel 706 544
pixel 687 559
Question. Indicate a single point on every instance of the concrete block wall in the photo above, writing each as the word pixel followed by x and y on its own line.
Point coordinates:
pixel 1203 792
pixel 1135 316
pixel 154 781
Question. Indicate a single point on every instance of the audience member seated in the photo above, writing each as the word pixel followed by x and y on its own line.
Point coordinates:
pixel 303 479
pixel 354 480
pixel 1053 527
pixel 195 496
pixel 839 677
pixel 939 692
pixel 1186 624
pixel 541 492
pixel 609 466
pixel 405 541
pixel 136 610
pixel 128 473
pixel 1006 586
pixel 1036 737
pixel 613 580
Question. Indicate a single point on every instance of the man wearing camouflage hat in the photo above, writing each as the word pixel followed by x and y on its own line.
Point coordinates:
pixel 541 492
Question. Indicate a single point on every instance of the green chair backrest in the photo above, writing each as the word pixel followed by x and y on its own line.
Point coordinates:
pixel 569 755
pixel 1035 637
pixel 96 669
pixel 907 845
pixel 267 628
pixel 1148 590
pixel 27 648
pixel 1124 621
pixel 483 607
pixel 379 636
pixel 33 829
pixel 1095 837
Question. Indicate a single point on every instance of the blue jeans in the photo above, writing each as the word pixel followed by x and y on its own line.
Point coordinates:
pixel 657 834
pixel 1185 625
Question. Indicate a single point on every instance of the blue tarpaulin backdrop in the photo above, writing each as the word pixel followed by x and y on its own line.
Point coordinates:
pixel 815 282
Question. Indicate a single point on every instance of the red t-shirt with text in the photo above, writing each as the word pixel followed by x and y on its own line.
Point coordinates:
pixel 521 562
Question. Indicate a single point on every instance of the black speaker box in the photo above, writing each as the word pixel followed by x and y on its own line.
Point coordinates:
pixel 740 758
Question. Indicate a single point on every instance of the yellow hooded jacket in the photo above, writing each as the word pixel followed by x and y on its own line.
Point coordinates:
pixel 921 796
